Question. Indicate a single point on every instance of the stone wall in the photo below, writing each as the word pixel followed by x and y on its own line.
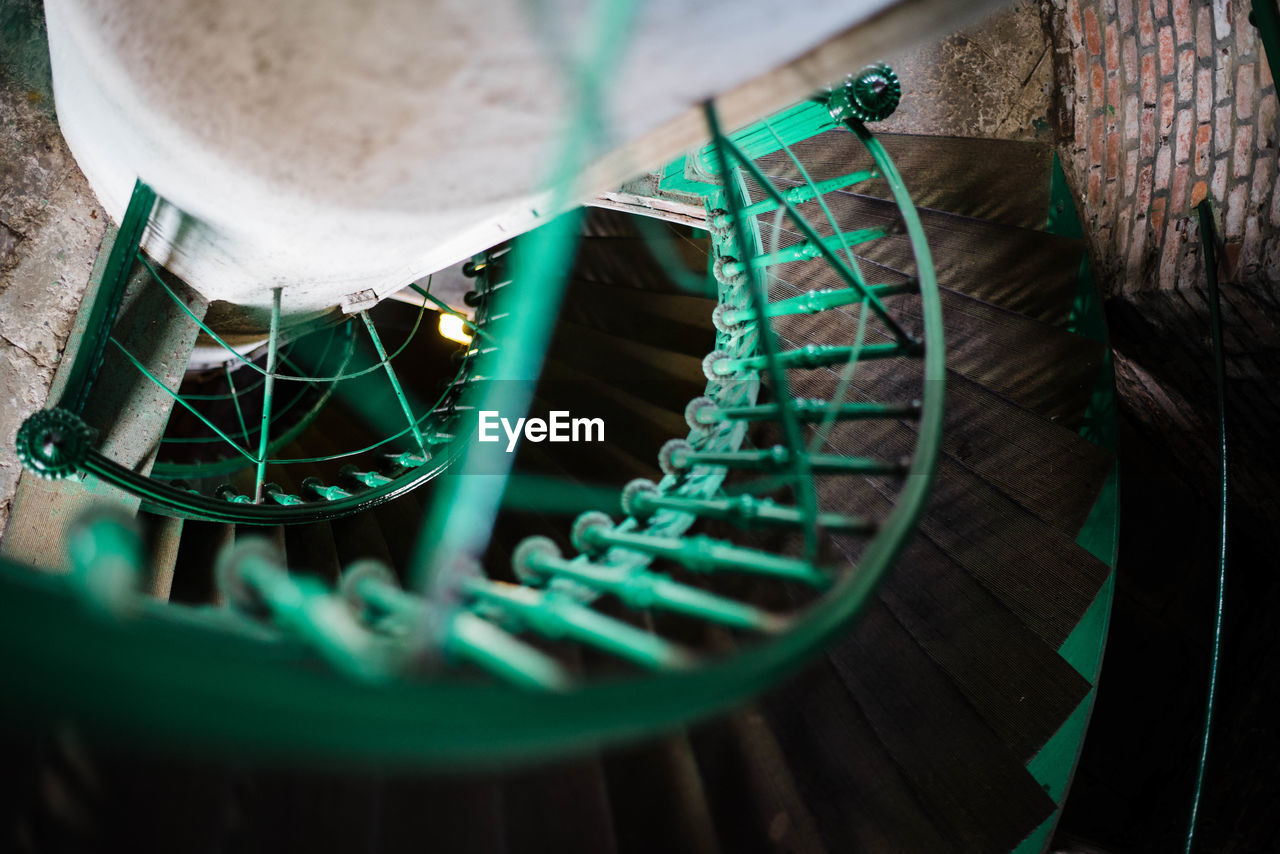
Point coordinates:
pixel 51 227
pixel 1164 103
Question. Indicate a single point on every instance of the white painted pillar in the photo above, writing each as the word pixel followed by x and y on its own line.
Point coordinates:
pixel 337 146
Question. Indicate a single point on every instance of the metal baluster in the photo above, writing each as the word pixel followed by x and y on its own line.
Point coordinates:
pixel 268 390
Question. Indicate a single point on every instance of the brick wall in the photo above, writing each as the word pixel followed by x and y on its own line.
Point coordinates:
pixel 1165 102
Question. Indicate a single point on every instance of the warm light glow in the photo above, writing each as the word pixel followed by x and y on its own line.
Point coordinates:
pixel 451 327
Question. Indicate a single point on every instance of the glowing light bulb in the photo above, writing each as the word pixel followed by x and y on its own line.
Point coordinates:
pixel 453 328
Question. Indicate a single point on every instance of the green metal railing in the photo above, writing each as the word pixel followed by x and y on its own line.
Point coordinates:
pixel 427 672
pixel 1209 242
pixel 56 443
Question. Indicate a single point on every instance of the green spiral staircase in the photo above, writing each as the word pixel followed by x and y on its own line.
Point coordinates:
pixel 836 581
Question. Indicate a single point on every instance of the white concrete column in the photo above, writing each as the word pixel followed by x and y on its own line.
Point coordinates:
pixel 337 146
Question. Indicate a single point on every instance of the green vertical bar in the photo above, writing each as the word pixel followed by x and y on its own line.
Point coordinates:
pixel 235 398
pixel 395 382
pixel 804 487
pixel 1210 242
pixel 268 388
pixel 461 517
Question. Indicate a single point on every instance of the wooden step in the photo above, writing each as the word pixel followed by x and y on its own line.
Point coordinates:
pixel 1043 369
pixel 998 180
pixel 967 780
pixel 673 322
pixel 858 794
pixel 751 788
pixel 1028 272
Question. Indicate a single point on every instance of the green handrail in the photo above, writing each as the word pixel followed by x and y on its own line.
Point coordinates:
pixel 179 673
pixel 1209 241
pixel 56 443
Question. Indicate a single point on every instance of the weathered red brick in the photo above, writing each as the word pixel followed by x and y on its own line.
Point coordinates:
pixel 1203 152
pixel 1155 216
pixel 1092 31
pixel 1137 247
pixel 1168 109
pixel 1182 141
pixel 1149 94
pixel 1164 167
pixel 1147 138
pixel 1218 183
pixel 1129 57
pixel 1095 142
pixel 1166 51
pixel 1260 189
pixel 1074 31
pixel 1267 109
pixel 1113 46
pixel 1124 225
pixel 1082 65
pixel 1143 197
pixel 1178 193
pixel 1097 84
pixel 1081 125
pixel 1222 128
pixel 1095 189
pixel 1222 74
pixel 1204 33
pixel 1243 95
pixel 1264 74
pixel 1186 75
pixel 1146 24
pixel 1243 157
pixel 1251 254
pixel 1131 172
pixel 1204 94
pixel 1113 101
pixel 1182 20
pixel 1170 253
pixel 1113 156
pixel 1236 204
pixel 1124 11
pixel 1132 117
pixel 1245 38
pixel 1222 18
pixel 1198 193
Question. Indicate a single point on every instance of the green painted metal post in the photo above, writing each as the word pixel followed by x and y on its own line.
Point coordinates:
pixel 1209 240
pixel 235 399
pixel 804 488
pixel 268 389
pixel 395 382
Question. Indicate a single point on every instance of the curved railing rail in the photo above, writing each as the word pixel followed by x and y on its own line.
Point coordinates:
pixel 459 670
pixel 56 443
